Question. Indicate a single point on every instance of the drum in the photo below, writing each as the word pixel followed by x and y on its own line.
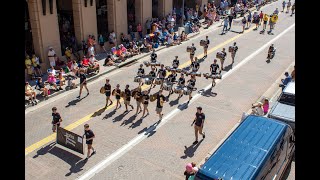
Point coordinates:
pixel 219 55
pixel 203 42
pixel 167 87
pixel 186 91
pixel 102 90
pixel 189 48
pixel 122 94
pixel 113 92
pixel 194 69
pixel 231 49
pixel 206 75
pixel 217 76
pixel 168 68
pixel 178 70
pixel 198 74
pixel 153 97
pixel 189 86
pixel 146 63
pixel 178 89
pixel 157 81
pixel 148 81
pixel 137 79
pixel 184 71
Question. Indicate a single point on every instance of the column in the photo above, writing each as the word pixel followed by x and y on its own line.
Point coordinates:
pixel 165 7
pixel 117 17
pixel 85 19
pixel 143 12
pixel 45 30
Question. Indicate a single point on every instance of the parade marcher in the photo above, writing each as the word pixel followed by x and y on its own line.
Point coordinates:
pixel 175 63
pixel 195 65
pixel 162 74
pixel 192 52
pixel 138 97
pixel 191 83
pixel 233 53
pixel 272 22
pixel 271 52
pixel 172 79
pixel 293 8
pixel 83 83
pixel 256 20
pixel 140 73
pixel 249 20
pixel 145 100
pixel 107 88
pixel 224 55
pixel 160 101
pixel 152 75
pixel 265 21
pixel 283 5
pixel 117 94
pixel 181 82
pixel 89 140
pixel 288 6
pixel 214 70
pixel 127 98
pixel 153 57
pixel 276 11
pixel 205 48
pixel 198 124
pixel 56 119
pixel 261 15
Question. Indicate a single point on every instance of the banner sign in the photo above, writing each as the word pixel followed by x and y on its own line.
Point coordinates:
pixel 237 22
pixel 70 140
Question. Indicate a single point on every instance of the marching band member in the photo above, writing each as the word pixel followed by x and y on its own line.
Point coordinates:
pixel 224 54
pixel 181 82
pixel 271 52
pixel 172 79
pixel 205 48
pixel 153 57
pixel 117 94
pixel 192 83
pixel 213 69
pixel 162 74
pixel 140 73
pixel 138 97
pixel 145 100
pixel 234 51
pixel 160 101
pixel 195 65
pixel 192 52
pixel 107 88
pixel 153 75
pixel 127 98
pixel 175 63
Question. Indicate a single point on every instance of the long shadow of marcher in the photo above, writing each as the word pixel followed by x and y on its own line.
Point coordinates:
pixel 75 101
pixel 136 124
pixel 120 117
pixel 45 150
pixel 268 61
pixel 77 167
pixel 189 151
pixel 127 121
pixel 99 112
pixel 227 68
pixel 150 130
pixel 175 102
pixel 208 93
pixel 110 114
pixel 183 106
pixel 201 59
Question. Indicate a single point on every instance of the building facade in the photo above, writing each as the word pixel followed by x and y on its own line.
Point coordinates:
pixel 52 22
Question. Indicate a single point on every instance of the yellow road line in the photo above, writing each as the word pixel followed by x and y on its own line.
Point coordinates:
pixel 71 126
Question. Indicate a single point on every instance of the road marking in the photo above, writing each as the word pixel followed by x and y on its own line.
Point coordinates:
pixel 124 149
pixel 51 137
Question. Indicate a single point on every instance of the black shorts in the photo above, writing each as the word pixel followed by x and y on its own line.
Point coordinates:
pixel 83 83
pixel 101 44
pixel 89 142
pixel 265 22
pixel 108 93
pixel 118 97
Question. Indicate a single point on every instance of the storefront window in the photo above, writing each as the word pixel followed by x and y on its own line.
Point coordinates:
pixel 155 6
pixel 131 11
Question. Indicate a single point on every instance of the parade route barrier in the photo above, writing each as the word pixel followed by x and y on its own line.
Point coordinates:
pixel 70 140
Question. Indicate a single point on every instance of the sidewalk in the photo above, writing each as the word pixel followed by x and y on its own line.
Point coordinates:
pixel 107 69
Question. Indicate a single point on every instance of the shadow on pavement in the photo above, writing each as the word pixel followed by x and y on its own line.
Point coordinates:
pixel 268 61
pixel 75 101
pixel 207 93
pixel 136 124
pixel 45 150
pixel 128 121
pixel 120 117
pixel 183 106
pixel 151 130
pixel 175 102
pixel 228 68
pixel 189 151
pixel 77 167
pixel 110 114
pixel 99 112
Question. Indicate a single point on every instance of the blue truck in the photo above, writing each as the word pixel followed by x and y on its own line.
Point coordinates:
pixel 259 148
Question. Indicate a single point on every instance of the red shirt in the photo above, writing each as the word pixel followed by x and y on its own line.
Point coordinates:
pixel 139 28
pixel 85 62
pixel 261 15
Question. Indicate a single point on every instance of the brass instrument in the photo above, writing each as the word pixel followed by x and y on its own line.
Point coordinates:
pixel 102 90
pixel 113 92
pixel 153 97
pixel 122 94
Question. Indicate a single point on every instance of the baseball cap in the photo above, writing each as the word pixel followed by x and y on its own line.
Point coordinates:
pixel 199 107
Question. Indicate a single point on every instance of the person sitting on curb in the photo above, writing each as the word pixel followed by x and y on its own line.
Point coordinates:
pixel 285 81
pixel 30 93
pixel 257 109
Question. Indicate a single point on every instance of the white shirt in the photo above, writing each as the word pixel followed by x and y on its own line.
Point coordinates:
pixel 92 59
pixel 91 50
pixel 51 53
